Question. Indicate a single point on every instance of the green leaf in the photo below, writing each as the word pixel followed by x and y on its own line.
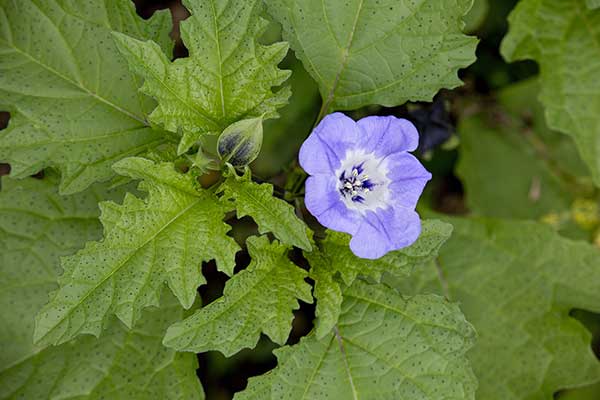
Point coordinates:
pixel 387 52
pixel 228 76
pixel 517 283
pixel 562 37
pixel 386 346
pixel 146 242
pixel 592 4
pixel 74 105
pixel 335 259
pixel 511 164
pixel 38 227
pixel 284 136
pixel 270 213
pixel 586 393
pixel 258 299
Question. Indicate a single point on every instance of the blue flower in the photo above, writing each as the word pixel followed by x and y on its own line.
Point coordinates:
pixel 364 182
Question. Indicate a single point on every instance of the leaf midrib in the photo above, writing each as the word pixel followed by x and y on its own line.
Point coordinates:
pixel 345 57
pixel 119 266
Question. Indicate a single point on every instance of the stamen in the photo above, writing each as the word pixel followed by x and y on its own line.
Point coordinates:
pixel 356 185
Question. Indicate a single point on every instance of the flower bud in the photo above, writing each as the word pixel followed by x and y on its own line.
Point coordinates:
pixel 240 142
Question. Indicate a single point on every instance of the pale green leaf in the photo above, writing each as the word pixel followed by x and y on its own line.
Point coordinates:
pixel 164 237
pixel 477 15
pixel 592 4
pixel 228 76
pixel 511 164
pixel 563 37
pixel 385 346
pixel 38 227
pixel 384 52
pixel 335 265
pixel 74 104
pixel 258 299
pixel 270 213
pixel 517 283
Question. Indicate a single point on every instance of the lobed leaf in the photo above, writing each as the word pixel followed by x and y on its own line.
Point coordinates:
pixel 562 37
pixel 73 102
pixel 336 260
pixel 258 299
pixel 228 76
pixel 165 237
pixel 364 52
pixel 270 213
pixel 385 346
pixel 517 283
pixel 38 227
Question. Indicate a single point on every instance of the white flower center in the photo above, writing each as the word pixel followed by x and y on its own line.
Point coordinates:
pixel 363 182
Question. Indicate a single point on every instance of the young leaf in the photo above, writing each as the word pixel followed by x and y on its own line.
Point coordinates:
pixel 387 52
pixel 517 283
pixel 227 77
pixel 335 258
pixel 259 299
pixel 385 346
pixel 74 105
pixel 562 37
pixel 270 213
pixel 38 227
pixel 146 242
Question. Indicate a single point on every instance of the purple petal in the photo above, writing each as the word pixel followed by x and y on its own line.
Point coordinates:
pixel 323 200
pixel 386 135
pixel 408 177
pixel 384 231
pixel 327 144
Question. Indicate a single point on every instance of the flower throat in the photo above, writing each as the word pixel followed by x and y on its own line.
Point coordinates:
pixel 355 184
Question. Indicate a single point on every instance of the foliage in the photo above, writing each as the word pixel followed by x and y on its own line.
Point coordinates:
pixel 562 37
pixel 415 50
pixel 517 283
pixel 420 352
pixel 38 227
pixel 73 102
pixel 140 231
pixel 227 77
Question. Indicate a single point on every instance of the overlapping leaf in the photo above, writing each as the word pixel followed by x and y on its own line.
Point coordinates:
pixel 517 283
pixel 258 299
pixel 385 52
pixel 74 104
pixel 564 38
pixel 511 164
pixel 335 266
pixel 228 76
pixel 37 227
pixel 270 213
pixel 146 242
pixel 386 346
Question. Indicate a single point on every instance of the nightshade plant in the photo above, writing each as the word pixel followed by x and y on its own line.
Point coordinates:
pixel 143 176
